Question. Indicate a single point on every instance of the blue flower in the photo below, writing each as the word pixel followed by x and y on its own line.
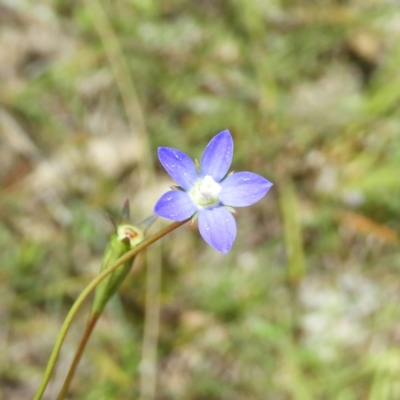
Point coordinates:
pixel 207 190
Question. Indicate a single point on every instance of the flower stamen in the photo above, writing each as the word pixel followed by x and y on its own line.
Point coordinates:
pixel 205 192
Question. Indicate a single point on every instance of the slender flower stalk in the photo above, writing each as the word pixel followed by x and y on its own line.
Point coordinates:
pixel 206 192
pixel 86 292
pixel 77 357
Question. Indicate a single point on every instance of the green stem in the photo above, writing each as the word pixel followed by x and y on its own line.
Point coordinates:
pixel 86 335
pixel 85 293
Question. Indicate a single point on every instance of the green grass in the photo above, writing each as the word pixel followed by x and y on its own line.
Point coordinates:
pixel 305 306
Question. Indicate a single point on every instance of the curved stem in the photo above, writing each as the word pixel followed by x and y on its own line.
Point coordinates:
pixel 86 335
pixel 85 293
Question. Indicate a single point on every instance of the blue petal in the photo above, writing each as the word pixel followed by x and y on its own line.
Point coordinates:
pixel 218 228
pixel 175 205
pixel 180 167
pixel 243 189
pixel 217 156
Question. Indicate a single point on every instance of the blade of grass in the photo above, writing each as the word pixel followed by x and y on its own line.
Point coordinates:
pixel 292 233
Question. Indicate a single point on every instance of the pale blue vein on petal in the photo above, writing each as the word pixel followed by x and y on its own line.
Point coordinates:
pixel 217 156
pixel 243 189
pixel 217 226
pixel 175 205
pixel 179 166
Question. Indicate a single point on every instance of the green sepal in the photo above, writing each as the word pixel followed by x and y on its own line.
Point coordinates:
pixel 173 187
pixel 195 217
pixel 197 164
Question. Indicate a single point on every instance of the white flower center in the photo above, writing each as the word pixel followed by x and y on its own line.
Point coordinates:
pixel 205 192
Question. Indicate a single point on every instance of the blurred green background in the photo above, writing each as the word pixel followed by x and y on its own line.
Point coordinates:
pixel 306 304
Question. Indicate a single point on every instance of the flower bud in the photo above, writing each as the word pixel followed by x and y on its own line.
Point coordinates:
pixel 123 240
